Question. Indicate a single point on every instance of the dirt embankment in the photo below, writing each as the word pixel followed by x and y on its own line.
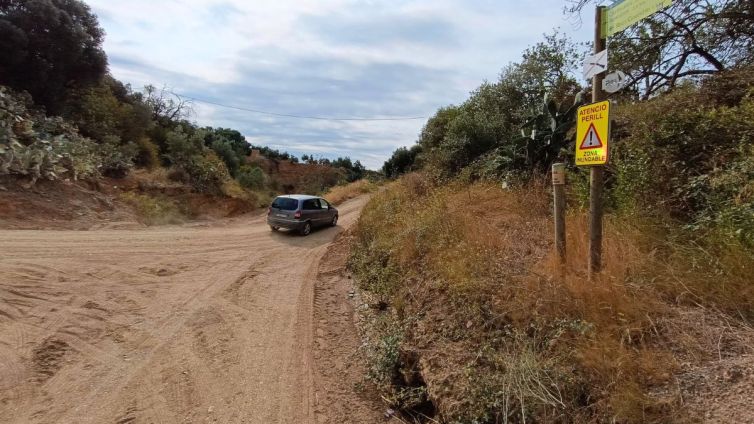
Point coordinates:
pixel 172 324
pixel 131 202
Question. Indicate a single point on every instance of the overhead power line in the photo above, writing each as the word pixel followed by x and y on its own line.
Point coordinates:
pixel 287 115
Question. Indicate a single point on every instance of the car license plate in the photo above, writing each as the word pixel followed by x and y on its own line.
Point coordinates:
pixel 280 215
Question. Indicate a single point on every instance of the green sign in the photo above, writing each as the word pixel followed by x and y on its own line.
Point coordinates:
pixel 624 13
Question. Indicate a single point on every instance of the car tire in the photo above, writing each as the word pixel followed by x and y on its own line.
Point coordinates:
pixel 334 221
pixel 274 228
pixel 306 229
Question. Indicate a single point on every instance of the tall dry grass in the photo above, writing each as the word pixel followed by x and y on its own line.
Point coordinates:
pixel 341 193
pixel 507 333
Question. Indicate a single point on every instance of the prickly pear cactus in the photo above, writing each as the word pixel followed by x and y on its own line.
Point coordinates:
pixel 42 147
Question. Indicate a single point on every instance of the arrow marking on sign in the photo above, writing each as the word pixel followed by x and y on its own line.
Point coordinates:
pixel 594 64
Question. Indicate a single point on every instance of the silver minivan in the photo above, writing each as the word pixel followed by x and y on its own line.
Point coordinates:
pixel 301 213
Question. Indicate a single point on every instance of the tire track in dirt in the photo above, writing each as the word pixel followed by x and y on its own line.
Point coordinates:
pixel 171 324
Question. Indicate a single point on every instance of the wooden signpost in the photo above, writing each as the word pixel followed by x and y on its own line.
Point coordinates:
pixel 596 172
pixel 593 121
pixel 592 145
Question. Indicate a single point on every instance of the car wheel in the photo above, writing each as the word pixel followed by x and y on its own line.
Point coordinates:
pixel 274 228
pixel 307 229
pixel 334 221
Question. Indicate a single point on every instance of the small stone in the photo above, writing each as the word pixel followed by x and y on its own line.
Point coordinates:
pixel 389 413
pixel 210 409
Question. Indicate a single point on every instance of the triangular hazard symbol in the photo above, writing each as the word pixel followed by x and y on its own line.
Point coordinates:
pixel 591 139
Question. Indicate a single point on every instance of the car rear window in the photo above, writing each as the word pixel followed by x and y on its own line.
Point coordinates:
pixel 285 203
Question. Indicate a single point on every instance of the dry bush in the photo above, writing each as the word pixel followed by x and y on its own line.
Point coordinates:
pixel 505 333
pixel 148 155
pixel 341 193
pixel 155 210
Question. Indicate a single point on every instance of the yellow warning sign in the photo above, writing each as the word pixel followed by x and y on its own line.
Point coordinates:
pixel 592 134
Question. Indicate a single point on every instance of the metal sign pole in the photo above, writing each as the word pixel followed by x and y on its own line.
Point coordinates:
pixel 596 172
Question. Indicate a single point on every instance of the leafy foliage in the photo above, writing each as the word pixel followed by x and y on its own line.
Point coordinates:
pixel 689 39
pixel 109 108
pixel 206 171
pixel 354 170
pixel 486 129
pixel 224 150
pixel 689 156
pixel 48 46
pixel 41 147
pixel 252 177
pixel 403 160
pixel 116 158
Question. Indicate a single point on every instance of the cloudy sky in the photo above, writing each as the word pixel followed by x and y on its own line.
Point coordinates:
pixel 323 58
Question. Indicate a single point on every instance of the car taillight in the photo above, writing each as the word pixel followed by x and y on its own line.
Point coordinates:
pixel 297 215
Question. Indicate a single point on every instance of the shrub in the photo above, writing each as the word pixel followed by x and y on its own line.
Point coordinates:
pixel 689 157
pixel 42 147
pixel 155 210
pixel 225 151
pixel 252 177
pixel 206 171
pixel 116 158
pixel 148 155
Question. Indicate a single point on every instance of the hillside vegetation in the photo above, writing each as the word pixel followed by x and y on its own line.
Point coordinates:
pixel 474 320
pixel 64 118
pixel 478 317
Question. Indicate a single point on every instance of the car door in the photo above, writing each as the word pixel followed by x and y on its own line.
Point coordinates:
pixel 310 211
pixel 327 211
pixel 321 212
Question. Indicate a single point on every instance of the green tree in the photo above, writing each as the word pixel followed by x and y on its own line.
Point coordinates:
pixel 489 123
pixel 402 160
pixel 689 39
pixel 48 47
pixel 354 170
pixel 108 108
pixel 224 150
pixel 186 151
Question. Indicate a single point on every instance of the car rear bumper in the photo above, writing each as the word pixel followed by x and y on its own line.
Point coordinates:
pixel 285 223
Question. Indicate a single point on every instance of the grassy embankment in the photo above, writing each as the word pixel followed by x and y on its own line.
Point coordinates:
pixel 341 193
pixel 476 322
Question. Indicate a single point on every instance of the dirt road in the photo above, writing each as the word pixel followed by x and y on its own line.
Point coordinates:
pixel 163 325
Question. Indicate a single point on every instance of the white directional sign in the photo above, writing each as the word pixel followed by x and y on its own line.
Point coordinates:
pixel 614 81
pixel 594 64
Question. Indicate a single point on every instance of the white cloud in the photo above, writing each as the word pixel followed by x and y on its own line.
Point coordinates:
pixel 322 57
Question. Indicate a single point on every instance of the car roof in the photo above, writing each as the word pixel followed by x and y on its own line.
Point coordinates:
pixel 299 196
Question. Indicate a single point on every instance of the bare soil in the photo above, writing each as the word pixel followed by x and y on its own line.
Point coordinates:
pixel 342 393
pixel 193 323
